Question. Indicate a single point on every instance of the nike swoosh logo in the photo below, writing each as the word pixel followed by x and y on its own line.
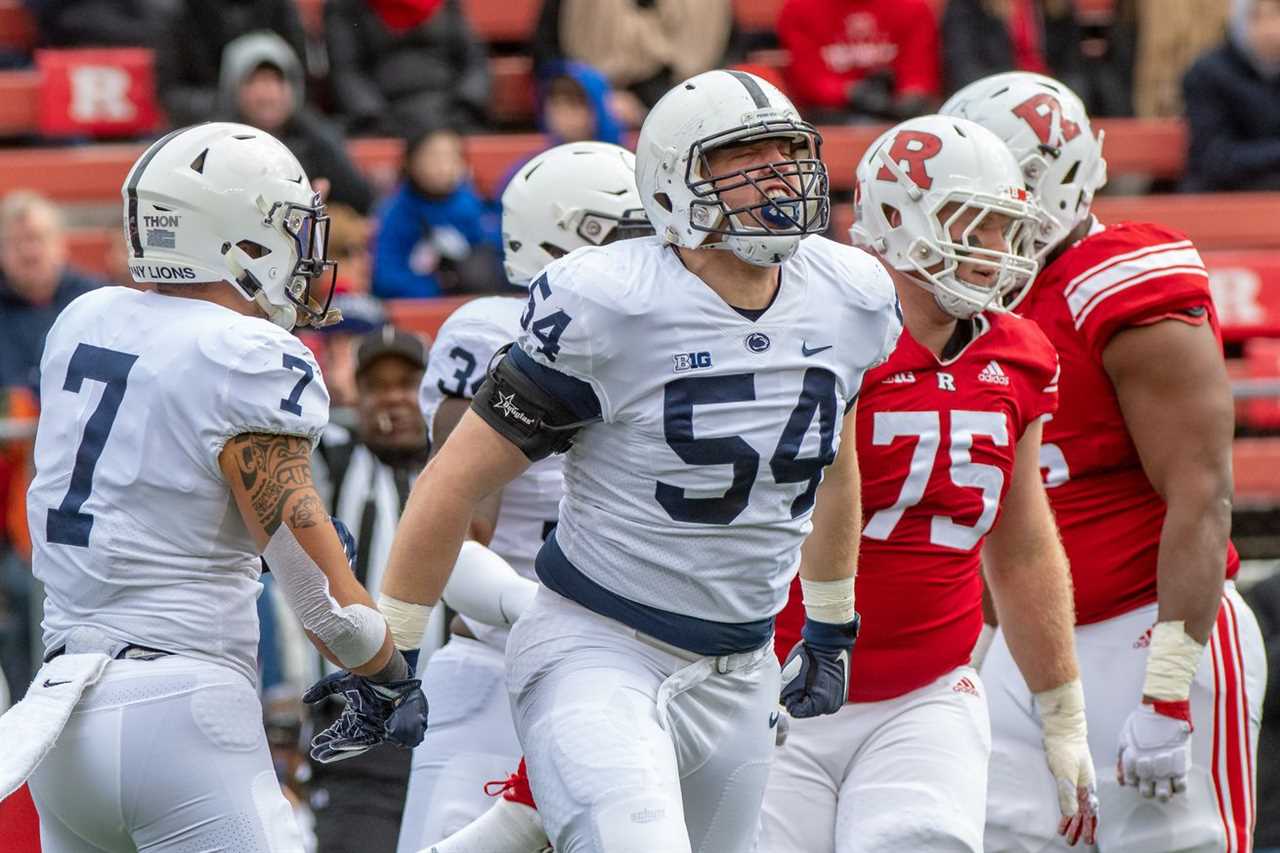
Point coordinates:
pixel 48 683
pixel 804 348
pixel 773 719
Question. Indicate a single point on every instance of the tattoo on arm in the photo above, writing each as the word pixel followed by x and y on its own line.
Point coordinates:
pixel 274 469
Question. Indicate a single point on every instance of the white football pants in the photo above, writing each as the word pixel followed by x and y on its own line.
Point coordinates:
pixel 470 740
pixel 164 756
pixel 904 774
pixel 634 746
pixel 1215 814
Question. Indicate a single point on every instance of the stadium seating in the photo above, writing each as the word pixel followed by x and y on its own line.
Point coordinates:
pixel 501 21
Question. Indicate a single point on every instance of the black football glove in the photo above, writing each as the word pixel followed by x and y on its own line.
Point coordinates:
pixel 815 677
pixel 393 712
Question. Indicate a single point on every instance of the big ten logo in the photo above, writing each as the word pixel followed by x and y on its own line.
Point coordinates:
pixel 1235 296
pixel 691 361
pixel 101 93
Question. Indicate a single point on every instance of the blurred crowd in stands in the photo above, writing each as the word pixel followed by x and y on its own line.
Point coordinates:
pixel 417 70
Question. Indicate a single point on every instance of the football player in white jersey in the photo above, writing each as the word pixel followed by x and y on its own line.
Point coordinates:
pixel 579 194
pixel 173 449
pixel 699 381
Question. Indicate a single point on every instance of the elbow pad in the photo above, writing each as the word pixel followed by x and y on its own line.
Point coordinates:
pixel 354 633
pixel 523 413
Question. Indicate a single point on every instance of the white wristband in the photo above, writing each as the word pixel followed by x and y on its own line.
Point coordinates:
pixel 1171 663
pixel 828 601
pixel 406 620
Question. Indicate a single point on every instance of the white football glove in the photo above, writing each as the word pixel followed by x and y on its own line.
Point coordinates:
pixel 1155 750
pixel 1154 753
pixel 1066 749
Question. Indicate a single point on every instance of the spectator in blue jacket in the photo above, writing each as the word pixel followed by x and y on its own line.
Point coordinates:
pixel 573 104
pixel 435 234
pixel 1232 95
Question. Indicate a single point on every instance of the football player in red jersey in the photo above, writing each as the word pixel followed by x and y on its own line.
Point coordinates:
pixel 1137 461
pixel 948 434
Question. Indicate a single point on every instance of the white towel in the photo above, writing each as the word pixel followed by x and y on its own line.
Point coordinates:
pixel 30 728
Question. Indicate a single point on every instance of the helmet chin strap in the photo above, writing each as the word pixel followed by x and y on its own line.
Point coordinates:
pixel 284 316
pixel 759 250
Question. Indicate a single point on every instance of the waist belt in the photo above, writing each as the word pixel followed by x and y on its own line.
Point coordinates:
pixel 130 651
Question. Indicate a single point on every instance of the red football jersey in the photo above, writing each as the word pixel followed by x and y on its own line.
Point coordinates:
pixel 1110 517
pixel 936 445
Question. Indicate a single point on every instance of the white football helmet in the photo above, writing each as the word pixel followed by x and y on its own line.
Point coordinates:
pixel 578 194
pixel 933 167
pixel 682 197
pixel 1045 125
pixel 228 202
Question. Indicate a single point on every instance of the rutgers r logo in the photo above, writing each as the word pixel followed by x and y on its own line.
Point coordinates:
pixel 910 149
pixel 1038 112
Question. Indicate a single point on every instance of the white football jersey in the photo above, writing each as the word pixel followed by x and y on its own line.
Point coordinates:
pixel 134 529
pixel 694 493
pixel 459 358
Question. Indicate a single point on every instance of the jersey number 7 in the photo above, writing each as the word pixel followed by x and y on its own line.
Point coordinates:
pixel 67 525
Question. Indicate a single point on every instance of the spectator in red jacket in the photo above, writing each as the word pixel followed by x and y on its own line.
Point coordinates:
pixel 874 59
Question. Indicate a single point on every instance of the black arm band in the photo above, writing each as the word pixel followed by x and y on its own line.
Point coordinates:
pixel 525 414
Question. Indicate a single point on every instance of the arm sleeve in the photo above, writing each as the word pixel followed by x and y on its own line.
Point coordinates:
pixel 915 69
pixel 1167 279
pixel 1218 158
pixel 808 75
pixel 271 384
pixel 564 331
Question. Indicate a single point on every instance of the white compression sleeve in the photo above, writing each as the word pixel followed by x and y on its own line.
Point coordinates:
pixel 354 633
pixel 485 588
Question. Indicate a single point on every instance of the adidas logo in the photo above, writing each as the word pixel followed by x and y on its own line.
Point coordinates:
pixel 900 379
pixel 966 685
pixel 1144 641
pixel 993 374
